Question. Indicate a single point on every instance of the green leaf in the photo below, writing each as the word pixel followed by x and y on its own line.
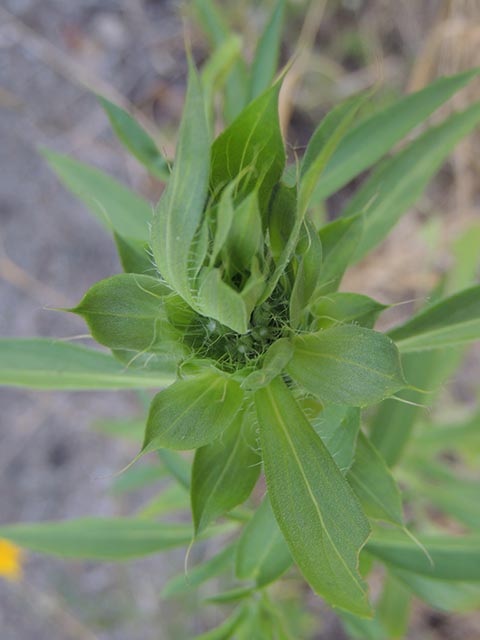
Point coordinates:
pixel 346 365
pixel 274 362
pixel 180 209
pixel 339 241
pixel 173 498
pixel 454 597
pixel 308 273
pixel 373 137
pixel 227 628
pixel 339 307
pixel 316 510
pixel 192 412
pixel 322 146
pixel 218 300
pixel 224 472
pixel 99 538
pixel 393 609
pixel 245 237
pixel 252 143
pixel 262 553
pixel 451 492
pixel 452 557
pixel 232 595
pixel 451 322
pixel 216 70
pixel 128 312
pixel 236 89
pixel 398 183
pixel 41 363
pixel 136 139
pixel 338 428
pixel 265 61
pixel 177 467
pixel 113 204
pixel 374 485
pixel 134 255
pixel 392 425
pixel 199 574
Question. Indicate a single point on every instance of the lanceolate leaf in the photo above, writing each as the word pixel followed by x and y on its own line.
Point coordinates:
pixel 322 146
pixel 136 139
pixel 192 412
pixel 452 557
pixel 373 137
pixel 339 240
pixel 262 553
pixel 346 365
pixel 99 538
pixel 180 209
pixel 41 363
pixel 374 485
pixel 450 322
pixel 113 204
pixel 224 472
pixel 252 143
pixel 236 89
pixel 265 62
pixel 317 511
pixel 398 183
pixel 457 597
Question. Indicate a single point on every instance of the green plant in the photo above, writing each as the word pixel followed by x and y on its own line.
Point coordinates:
pixel 232 301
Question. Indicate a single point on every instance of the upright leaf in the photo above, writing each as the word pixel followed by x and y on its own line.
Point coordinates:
pixel 397 183
pixel 374 136
pixel 136 139
pixel 339 240
pixel 346 365
pixel 316 510
pixel 452 321
pixel 236 89
pixel 322 146
pixel 216 71
pixel 114 205
pixel 41 363
pixel 265 61
pixel 180 209
pixel 218 300
pixel 262 553
pixel 224 472
pixel 192 412
pixel 252 143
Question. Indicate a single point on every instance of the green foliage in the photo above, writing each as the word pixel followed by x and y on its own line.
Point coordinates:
pixel 232 303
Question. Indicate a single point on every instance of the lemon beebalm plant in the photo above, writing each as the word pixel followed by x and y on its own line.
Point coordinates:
pixel 229 309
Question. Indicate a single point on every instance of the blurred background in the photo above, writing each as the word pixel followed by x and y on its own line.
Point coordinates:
pixel 53 54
